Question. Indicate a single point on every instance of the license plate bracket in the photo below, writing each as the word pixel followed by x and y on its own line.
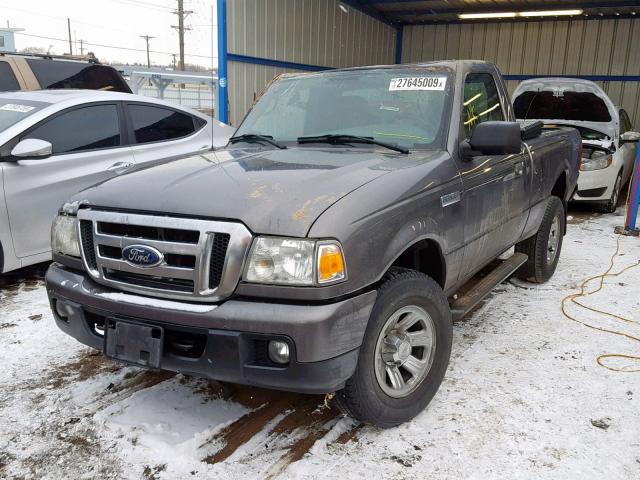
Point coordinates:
pixel 134 343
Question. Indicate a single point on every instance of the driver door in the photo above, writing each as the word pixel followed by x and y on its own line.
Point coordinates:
pixel 495 187
pixel 88 147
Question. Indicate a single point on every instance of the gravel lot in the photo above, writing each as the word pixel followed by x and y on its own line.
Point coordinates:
pixel 523 397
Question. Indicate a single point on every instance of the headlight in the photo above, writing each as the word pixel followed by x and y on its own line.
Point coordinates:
pixel 64 236
pixel 289 261
pixel 596 161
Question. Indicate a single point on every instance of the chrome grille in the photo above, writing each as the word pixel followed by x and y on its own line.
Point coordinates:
pixel 202 259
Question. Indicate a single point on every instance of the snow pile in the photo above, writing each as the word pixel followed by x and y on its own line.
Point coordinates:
pixel 523 398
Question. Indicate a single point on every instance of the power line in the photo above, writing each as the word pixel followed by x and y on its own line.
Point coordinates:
pixel 146 5
pixel 30 12
pixel 111 46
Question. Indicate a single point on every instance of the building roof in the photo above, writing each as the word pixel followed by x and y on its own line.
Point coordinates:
pixel 412 12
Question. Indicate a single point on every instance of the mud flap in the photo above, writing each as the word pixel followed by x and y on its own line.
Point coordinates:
pixel 134 343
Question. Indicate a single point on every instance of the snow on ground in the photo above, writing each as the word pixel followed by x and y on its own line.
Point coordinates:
pixel 523 397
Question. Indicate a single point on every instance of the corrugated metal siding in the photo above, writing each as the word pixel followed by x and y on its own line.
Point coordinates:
pixel 314 32
pixel 570 47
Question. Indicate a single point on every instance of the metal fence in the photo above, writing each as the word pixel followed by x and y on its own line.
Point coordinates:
pixel 199 97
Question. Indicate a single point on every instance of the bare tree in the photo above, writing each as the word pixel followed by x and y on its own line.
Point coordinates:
pixel 38 50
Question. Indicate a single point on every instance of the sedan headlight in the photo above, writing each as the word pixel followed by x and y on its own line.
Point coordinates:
pixel 596 161
pixel 64 236
pixel 290 261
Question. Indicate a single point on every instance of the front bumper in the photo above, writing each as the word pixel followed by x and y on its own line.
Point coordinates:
pixel 596 185
pixel 228 338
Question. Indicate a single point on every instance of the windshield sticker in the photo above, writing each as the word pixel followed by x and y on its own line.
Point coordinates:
pixel 418 83
pixel 14 107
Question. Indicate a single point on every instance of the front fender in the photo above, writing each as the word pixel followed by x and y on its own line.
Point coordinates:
pixel 8 259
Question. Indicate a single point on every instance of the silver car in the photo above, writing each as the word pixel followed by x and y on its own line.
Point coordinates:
pixel 54 143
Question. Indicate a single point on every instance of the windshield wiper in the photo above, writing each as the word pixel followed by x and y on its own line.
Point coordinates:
pixel 341 139
pixel 254 137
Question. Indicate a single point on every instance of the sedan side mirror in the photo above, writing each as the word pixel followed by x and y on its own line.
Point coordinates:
pixel 629 137
pixel 32 148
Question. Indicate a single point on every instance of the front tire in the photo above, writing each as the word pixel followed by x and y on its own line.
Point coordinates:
pixel 543 249
pixel 612 204
pixel 404 354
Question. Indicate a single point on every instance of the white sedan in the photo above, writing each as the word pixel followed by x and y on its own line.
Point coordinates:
pixel 54 143
pixel 608 138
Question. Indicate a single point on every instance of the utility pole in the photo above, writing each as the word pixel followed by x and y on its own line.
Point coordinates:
pixel 181 12
pixel 147 38
pixel 174 60
pixel 70 44
pixel 81 47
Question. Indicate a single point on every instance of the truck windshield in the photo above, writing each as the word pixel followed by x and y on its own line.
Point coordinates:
pixel 403 107
pixel 14 111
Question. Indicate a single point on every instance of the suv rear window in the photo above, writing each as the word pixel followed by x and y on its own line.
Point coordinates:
pixel 577 106
pixel 65 74
pixel 8 81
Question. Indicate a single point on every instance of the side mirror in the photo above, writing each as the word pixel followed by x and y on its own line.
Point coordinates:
pixel 629 137
pixel 32 148
pixel 493 138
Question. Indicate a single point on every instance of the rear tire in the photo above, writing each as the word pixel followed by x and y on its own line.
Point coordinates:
pixel 612 204
pixel 404 354
pixel 543 249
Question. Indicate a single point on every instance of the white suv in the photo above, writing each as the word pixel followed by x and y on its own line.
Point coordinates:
pixel 54 143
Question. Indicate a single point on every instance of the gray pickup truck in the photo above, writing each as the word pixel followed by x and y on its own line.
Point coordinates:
pixel 330 245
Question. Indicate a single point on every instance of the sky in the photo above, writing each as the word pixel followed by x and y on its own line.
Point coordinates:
pixel 107 24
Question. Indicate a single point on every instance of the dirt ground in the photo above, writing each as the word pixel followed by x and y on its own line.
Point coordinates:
pixel 523 398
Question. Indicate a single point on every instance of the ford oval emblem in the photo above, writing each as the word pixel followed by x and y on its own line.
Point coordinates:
pixel 142 256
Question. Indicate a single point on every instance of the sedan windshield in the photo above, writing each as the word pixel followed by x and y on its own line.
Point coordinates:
pixel 401 107
pixel 14 111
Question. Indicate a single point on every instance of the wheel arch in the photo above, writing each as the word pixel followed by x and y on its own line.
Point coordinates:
pixel 423 255
pixel 559 190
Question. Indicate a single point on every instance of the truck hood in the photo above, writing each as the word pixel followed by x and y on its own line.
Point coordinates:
pixel 277 192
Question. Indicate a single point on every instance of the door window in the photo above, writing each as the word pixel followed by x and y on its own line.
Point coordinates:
pixel 157 124
pixel 8 81
pixel 481 101
pixel 87 128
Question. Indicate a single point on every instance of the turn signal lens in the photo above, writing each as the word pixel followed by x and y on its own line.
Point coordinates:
pixel 330 263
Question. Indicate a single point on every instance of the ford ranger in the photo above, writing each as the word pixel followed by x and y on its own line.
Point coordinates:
pixel 330 245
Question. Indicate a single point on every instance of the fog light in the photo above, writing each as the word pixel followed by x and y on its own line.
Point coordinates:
pixel 278 352
pixel 62 310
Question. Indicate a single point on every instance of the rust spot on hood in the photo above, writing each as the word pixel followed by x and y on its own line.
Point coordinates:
pixel 258 192
pixel 323 201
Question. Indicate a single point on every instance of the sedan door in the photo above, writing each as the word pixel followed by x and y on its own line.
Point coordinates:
pixel 88 148
pixel 161 133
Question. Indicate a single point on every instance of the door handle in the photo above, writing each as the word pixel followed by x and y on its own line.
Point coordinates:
pixel 519 168
pixel 120 167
